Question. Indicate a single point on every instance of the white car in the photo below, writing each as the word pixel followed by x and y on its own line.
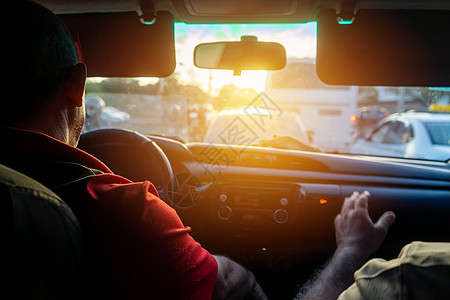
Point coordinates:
pixel 114 115
pixel 253 126
pixel 409 135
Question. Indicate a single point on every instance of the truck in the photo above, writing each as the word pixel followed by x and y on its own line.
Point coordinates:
pixel 328 112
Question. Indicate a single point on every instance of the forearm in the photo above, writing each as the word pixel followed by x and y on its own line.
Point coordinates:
pixel 232 281
pixel 357 237
pixel 235 282
pixel 337 275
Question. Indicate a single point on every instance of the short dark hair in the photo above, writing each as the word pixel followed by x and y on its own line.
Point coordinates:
pixel 37 46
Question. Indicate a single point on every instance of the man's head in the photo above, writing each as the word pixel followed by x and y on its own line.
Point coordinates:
pixel 42 75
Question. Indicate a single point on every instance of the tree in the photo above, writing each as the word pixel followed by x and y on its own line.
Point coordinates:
pixel 119 86
pixel 368 95
pixel 172 86
pixel 434 96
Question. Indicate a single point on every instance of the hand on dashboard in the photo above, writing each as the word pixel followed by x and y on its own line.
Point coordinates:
pixel 356 230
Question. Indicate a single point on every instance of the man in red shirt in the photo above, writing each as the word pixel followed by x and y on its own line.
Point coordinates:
pixel 138 246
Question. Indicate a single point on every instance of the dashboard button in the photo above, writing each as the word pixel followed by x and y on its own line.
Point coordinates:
pixel 284 201
pixel 224 213
pixel 223 198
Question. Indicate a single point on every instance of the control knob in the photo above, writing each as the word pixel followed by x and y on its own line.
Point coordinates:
pixel 224 213
pixel 280 216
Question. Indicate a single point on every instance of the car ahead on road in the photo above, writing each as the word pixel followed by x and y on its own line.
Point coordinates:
pixel 270 209
pixel 367 117
pixel 410 135
pixel 257 127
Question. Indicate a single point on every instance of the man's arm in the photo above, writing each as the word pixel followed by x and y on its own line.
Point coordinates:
pixel 357 237
pixel 145 242
pixel 235 282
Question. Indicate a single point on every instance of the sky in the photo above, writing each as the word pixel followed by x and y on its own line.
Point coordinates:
pixel 298 39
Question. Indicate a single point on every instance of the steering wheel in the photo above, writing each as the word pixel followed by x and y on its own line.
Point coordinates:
pixel 131 155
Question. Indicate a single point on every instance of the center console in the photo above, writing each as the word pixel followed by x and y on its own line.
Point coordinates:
pixel 261 203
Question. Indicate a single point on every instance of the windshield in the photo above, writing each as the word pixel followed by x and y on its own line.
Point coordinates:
pixel 214 106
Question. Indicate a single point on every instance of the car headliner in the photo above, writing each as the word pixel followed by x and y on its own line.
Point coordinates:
pixel 232 11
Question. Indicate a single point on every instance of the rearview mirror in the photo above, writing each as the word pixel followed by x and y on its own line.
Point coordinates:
pixel 247 54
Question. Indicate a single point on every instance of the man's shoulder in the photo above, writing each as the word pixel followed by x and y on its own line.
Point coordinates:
pixel 425 249
pixel 419 254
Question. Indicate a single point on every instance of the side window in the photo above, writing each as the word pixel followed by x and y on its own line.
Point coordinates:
pixel 407 134
pixel 380 133
pixel 399 134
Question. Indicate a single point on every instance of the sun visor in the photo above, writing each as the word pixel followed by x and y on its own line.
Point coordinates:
pixel 119 45
pixel 384 47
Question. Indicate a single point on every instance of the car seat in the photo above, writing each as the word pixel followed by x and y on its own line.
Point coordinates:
pixel 43 254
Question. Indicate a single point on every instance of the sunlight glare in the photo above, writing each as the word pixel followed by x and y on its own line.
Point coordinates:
pixel 298 39
pixel 251 79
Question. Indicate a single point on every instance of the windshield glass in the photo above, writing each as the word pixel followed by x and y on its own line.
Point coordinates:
pixel 290 108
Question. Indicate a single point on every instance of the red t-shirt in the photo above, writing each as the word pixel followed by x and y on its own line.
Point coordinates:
pixel 141 246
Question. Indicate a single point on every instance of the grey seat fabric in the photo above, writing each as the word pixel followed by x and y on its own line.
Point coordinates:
pixel 42 254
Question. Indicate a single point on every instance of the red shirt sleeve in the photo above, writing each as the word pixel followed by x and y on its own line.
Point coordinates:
pixel 142 245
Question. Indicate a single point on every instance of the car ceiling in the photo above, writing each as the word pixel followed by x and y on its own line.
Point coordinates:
pixel 231 11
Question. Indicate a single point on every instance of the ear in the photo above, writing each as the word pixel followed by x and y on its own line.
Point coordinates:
pixel 75 83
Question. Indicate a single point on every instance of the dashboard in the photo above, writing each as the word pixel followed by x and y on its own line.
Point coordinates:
pixel 273 210
pixel 283 201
